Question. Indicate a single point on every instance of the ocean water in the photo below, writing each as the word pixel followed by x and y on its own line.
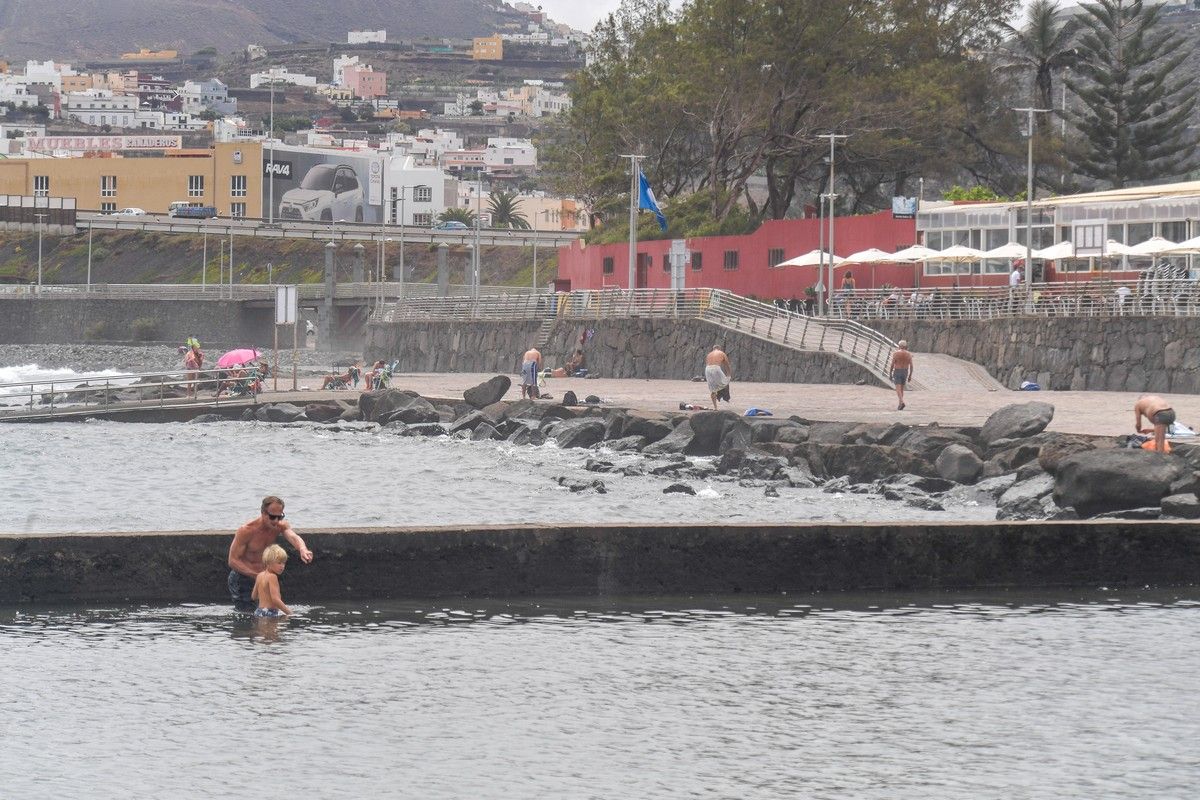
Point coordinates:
pixel 1064 697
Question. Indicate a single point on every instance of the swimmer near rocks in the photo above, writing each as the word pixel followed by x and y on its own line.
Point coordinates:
pixel 251 541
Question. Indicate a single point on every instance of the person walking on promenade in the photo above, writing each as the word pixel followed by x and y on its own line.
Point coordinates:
pixel 531 365
pixel 718 372
pixel 193 362
pixel 901 370
pixel 246 551
pixel 1157 412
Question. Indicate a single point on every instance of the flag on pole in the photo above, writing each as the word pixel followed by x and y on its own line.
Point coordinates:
pixel 647 201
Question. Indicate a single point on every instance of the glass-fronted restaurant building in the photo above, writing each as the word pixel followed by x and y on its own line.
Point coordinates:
pixel 1132 216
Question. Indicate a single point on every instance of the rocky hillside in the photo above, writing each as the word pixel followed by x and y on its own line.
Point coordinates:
pixel 73 29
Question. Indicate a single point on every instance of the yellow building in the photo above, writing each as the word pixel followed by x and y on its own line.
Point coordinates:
pixel 78 83
pixel 227 175
pixel 488 48
pixel 150 55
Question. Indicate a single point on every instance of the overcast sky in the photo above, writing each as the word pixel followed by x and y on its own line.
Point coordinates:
pixel 584 15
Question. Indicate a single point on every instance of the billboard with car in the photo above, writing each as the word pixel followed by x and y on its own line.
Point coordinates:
pixel 318 185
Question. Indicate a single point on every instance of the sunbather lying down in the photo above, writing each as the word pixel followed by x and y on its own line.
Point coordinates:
pixel 350 378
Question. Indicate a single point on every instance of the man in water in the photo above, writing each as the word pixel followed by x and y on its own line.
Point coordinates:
pixel 718 372
pixel 531 365
pixel 246 550
pixel 1159 413
pixel 901 370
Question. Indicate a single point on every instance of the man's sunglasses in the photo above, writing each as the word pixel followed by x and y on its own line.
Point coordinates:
pixel 275 517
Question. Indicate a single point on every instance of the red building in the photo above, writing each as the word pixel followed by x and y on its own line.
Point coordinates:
pixel 745 264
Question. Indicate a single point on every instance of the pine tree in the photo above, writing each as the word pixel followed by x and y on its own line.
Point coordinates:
pixel 1133 121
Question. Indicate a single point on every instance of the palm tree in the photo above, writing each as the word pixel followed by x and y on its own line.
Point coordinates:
pixel 464 215
pixel 506 211
pixel 1043 47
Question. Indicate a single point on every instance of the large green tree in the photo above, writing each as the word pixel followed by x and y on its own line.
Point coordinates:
pixel 1135 107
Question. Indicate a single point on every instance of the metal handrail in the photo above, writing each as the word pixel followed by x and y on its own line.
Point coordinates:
pixel 49 397
pixel 241 291
pixel 857 342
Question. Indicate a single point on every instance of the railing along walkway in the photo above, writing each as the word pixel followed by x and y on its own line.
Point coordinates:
pixel 47 398
pixel 847 338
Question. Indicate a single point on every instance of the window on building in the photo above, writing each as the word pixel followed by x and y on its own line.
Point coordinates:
pixel 422 219
pixel 666 262
pixel 422 194
pixel 237 210
pixel 108 185
pixel 195 186
pixel 41 185
pixel 237 186
pixel 608 265
pixel 108 208
pixel 697 261
pixel 731 259
pixel 1174 231
pixel 774 256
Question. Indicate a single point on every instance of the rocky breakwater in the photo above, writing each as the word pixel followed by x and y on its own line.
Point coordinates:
pixel 1011 461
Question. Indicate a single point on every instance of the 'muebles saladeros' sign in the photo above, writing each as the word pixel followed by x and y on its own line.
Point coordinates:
pixel 83 143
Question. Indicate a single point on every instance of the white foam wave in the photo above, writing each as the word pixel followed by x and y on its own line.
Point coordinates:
pixel 43 376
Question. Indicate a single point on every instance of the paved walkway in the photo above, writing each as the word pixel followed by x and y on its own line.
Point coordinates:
pixel 947 403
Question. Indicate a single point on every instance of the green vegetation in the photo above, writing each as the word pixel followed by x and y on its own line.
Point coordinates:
pixel 506 211
pixel 1136 110
pixel 728 100
pixel 464 215
pixel 144 329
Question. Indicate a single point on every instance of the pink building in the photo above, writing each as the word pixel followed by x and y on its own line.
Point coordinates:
pixel 746 264
pixel 365 82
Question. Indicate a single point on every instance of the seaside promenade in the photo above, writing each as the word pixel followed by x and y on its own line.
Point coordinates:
pixel 963 403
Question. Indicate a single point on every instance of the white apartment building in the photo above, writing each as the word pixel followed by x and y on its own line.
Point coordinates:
pixel 278 75
pixel 534 98
pixel 100 107
pixel 427 146
pixel 14 91
pixel 366 37
pixel 168 121
pixel 423 189
pixel 503 154
pixel 211 94
pixel 46 73
pixel 339 68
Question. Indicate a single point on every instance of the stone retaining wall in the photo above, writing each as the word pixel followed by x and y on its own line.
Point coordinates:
pixel 1133 354
pixel 49 319
pixel 610 560
pixel 634 348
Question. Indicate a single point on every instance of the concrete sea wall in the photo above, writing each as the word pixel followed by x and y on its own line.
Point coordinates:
pixel 645 348
pixel 1134 354
pixel 611 560
pixel 57 320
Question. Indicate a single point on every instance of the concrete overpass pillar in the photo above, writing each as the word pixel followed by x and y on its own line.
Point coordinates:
pixel 327 314
pixel 358 273
pixel 443 262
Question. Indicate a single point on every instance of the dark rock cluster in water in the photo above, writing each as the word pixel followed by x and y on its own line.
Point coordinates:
pixel 1028 473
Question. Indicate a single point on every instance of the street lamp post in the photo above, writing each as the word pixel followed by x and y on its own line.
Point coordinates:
pixel 402 224
pixel 271 172
pixel 89 263
pixel 478 222
pixel 41 223
pixel 231 260
pixel 203 256
pixel 1029 206
pixel 832 137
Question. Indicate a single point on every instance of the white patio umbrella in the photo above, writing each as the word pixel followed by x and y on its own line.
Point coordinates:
pixel 1114 248
pixel 813 258
pixel 916 252
pixel 1190 247
pixel 1056 252
pixel 1012 250
pixel 958 254
pixel 1154 246
pixel 872 256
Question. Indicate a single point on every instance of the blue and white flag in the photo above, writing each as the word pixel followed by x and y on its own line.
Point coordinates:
pixel 647 201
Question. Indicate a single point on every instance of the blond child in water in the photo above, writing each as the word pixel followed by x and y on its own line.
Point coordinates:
pixel 266 585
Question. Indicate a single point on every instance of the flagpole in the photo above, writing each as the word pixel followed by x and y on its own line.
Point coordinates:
pixel 633 216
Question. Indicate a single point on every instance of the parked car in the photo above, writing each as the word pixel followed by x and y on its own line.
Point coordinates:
pixel 451 225
pixel 130 212
pixel 328 192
